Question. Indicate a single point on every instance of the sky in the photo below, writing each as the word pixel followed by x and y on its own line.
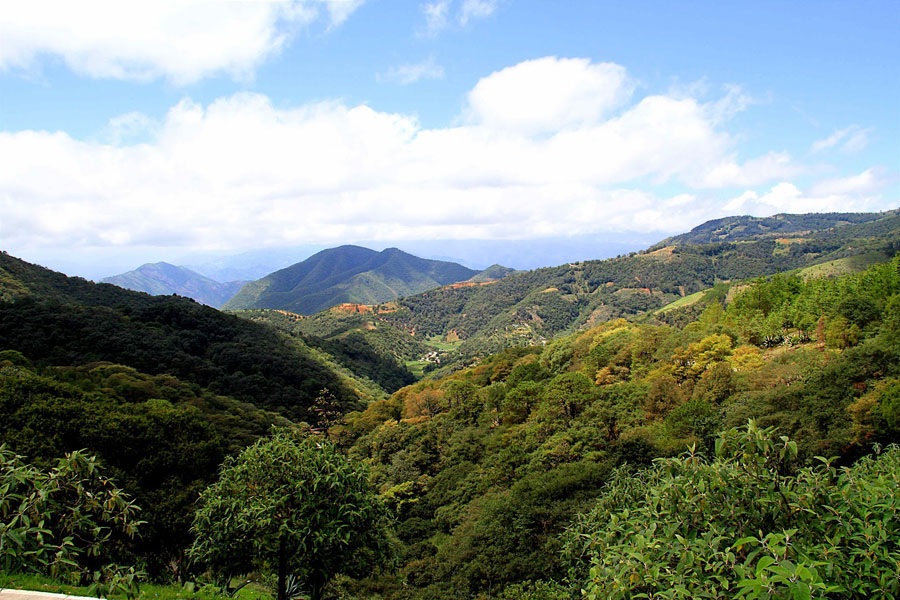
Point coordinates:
pixel 139 131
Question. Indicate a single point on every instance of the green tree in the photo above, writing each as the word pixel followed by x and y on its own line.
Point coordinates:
pixel 293 504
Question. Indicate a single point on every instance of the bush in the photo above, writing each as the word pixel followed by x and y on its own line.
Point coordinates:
pixel 746 524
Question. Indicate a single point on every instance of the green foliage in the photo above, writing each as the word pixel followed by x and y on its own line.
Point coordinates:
pixel 291 504
pixel 482 494
pixel 147 591
pixel 69 321
pixel 347 274
pixel 748 523
pixel 66 522
pixel 160 438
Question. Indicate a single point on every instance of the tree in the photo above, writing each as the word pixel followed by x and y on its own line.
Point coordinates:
pixel 291 503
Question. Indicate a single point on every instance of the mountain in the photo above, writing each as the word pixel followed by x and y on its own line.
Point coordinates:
pixel 68 321
pixel 732 229
pixel 164 279
pixel 347 274
pixel 530 464
pixel 161 388
pixel 534 307
pixel 492 273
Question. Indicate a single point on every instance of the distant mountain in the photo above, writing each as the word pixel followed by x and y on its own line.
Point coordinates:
pixel 250 265
pixel 534 307
pixel 163 279
pixel 732 229
pixel 347 274
pixel 492 273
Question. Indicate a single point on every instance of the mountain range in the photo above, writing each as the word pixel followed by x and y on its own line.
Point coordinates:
pixel 162 389
pixel 534 307
pixel 163 279
pixel 347 274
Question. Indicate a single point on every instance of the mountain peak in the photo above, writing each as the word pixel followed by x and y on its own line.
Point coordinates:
pixel 347 274
pixel 163 279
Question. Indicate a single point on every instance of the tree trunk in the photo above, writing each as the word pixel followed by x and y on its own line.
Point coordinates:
pixel 282 570
pixel 317 581
pixel 318 588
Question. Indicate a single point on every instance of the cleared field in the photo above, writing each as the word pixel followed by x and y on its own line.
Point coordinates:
pixel 842 266
pixel 685 301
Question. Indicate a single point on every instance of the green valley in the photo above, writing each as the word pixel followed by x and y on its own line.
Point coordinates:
pixel 564 429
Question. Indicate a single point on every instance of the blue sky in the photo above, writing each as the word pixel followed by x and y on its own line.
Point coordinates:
pixel 152 130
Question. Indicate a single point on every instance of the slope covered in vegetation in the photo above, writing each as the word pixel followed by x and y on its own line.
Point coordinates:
pixel 63 321
pixel 534 307
pixel 347 274
pixel 486 468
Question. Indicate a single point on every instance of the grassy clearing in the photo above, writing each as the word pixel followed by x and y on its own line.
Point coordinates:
pixel 685 301
pixel 149 591
pixel 416 367
pixel 843 266
pixel 443 345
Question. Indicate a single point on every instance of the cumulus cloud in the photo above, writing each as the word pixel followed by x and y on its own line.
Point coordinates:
pixel 240 172
pixel 411 73
pixel 730 173
pixel 182 41
pixel 549 94
pixel 850 139
pixel 860 192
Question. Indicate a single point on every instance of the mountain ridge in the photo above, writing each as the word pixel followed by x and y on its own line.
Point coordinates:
pixel 163 279
pixel 347 274
pixel 534 307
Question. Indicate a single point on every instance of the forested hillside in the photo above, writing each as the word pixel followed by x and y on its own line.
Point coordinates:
pixel 347 274
pixel 732 229
pixel 530 472
pixel 487 468
pixel 160 388
pixel 533 307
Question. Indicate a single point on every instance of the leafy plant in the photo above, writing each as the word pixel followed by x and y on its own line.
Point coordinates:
pixel 65 522
pixel 747 524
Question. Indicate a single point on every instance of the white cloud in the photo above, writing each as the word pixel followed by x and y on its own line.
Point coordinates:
pixel 240 172
pixel 436 16
pixel 476 9
pixel 860 192
pixel 182 41
pixel 548 94
pixel 850 139
pixel 869 182
pixel 410 73
pixel 769 167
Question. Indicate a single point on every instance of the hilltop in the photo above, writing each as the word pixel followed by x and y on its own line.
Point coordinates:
pixel 533 307
pixel 162 279
pixel 347 274
pixel 745 227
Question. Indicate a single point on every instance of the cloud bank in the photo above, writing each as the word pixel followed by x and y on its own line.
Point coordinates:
pixel 179 40
pixel 525 160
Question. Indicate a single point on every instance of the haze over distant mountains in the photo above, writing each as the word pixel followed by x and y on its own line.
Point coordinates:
pixel 162 279
pixel 347 274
